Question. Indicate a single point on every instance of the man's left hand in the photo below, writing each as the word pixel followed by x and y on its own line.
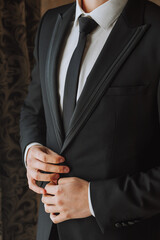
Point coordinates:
pixel 69 198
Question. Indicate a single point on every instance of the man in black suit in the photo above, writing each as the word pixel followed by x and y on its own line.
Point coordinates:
pixel 98 160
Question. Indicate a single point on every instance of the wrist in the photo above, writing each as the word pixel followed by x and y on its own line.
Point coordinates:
pixel 27 150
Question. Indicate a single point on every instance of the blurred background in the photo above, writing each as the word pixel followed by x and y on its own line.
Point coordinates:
pixel 18 24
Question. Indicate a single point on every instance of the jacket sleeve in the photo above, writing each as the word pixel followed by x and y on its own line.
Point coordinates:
pixel 129 199
pixel 32 119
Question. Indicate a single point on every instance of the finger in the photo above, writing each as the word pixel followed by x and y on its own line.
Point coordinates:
pixel 56 156
pixel 55 182
pixel 48 199
pixel 34 187
pixel 51 208
pixel 66 180
pixel 47 167
pixel 37 175
pixel 51 189
pixel 59 218
pixel 46 155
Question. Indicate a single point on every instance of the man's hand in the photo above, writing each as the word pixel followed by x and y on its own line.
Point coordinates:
pixel 42 158
pixel 69 198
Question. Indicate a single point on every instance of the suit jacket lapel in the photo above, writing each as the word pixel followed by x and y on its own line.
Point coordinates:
pixel 60 29
pixel 126 33
pixel 58 35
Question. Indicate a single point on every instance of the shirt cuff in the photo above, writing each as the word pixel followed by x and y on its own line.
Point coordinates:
pixel 89 201
pixel 26 151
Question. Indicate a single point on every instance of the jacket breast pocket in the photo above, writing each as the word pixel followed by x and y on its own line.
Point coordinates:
pixel 127 90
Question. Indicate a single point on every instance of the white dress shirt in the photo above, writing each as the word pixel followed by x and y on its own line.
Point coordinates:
pixel 106 16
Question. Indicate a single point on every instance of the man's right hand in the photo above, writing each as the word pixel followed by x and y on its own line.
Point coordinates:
pixel 41 158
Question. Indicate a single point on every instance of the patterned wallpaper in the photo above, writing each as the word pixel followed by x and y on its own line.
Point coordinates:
pixel 18 24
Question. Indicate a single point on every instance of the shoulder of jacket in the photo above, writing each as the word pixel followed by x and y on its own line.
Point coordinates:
pixel 57 10
pixel 152 12
pixel 50 16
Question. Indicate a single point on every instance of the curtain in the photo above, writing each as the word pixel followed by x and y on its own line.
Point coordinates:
pixel 18 204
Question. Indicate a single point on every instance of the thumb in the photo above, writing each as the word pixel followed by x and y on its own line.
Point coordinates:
pixel 66 180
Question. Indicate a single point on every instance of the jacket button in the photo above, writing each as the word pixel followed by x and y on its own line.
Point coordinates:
pixel 118 225
pixel 136 221
pixel 124 224
pixel 130 223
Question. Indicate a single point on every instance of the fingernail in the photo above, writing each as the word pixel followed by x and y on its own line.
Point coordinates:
pixel 66 169
pixel 62 160
pixel 44 191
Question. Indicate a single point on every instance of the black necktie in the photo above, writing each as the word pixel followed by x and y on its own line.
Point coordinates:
pixel 86 26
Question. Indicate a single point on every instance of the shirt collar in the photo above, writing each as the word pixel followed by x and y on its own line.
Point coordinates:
pixel 104 15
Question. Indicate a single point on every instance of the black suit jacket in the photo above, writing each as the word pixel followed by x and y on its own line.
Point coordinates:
pixel 114 134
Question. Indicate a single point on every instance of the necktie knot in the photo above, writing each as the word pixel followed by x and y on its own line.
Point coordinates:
pixel 86 25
